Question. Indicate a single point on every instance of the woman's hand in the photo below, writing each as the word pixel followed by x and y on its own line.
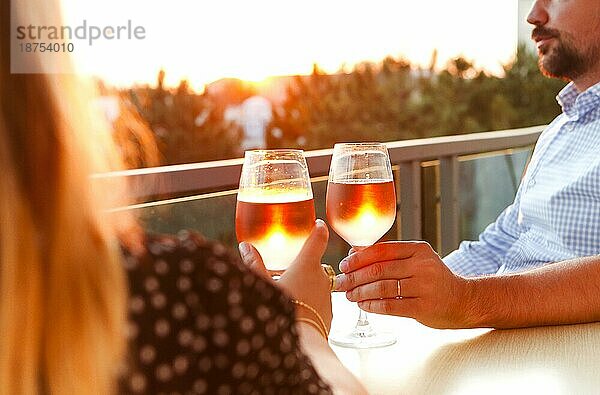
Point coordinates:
pixel 305 279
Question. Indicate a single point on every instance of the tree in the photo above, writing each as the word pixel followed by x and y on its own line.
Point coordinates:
pixel 187 126
pixel 390 100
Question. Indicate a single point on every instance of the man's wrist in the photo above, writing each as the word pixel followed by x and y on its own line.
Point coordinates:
pixel 476 307
pixel 468 305
pixel 485 303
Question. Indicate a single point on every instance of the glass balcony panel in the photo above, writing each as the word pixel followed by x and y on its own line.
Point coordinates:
pixel 213 215
pixel 488 184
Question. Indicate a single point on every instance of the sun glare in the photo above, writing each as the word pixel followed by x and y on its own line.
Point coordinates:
pixel 367 218
pixel 206 41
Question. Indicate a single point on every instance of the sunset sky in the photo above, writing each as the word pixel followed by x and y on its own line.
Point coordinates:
pixel 207 40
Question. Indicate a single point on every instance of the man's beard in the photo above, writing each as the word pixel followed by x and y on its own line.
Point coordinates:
pixel 564 60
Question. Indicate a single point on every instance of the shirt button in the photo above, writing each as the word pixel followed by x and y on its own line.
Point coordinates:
pixel 532 182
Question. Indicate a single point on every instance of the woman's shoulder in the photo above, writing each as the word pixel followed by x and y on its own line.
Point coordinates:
pixel 184 252
pixel 198 318
pixel 186 243
pixel 186 261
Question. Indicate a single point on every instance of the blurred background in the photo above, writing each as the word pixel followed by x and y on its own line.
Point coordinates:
pixel 213 79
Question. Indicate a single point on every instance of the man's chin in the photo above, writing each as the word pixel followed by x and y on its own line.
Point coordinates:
pixel 550 72
pixel 547 62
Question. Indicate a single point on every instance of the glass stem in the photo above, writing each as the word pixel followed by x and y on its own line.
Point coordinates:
pixel 363 328
pixel 362 318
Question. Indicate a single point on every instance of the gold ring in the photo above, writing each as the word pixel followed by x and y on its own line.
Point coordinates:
pixel 399 295
pixel 330 274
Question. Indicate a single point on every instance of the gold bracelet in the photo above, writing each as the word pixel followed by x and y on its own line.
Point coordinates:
pixel 314 324
pixel 314 311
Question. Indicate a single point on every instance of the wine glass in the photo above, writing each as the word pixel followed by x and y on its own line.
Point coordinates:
pixel 275 211
pixel 361 208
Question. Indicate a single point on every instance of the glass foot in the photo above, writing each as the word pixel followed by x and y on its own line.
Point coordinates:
pixel 363 336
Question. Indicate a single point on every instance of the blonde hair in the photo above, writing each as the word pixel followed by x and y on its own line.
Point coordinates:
pixel 62 287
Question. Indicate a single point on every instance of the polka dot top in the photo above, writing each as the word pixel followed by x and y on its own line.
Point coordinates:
pixel 200 322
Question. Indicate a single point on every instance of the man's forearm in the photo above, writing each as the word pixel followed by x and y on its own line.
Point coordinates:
pixel 562 293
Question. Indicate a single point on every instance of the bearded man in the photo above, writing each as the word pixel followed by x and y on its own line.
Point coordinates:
pixel 539 262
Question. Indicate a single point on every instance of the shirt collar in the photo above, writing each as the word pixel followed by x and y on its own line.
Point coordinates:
pixel 574 103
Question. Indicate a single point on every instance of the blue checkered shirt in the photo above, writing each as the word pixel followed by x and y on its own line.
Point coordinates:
pixel 556 212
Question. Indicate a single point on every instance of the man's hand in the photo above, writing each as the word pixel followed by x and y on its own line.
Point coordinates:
pixel 430 292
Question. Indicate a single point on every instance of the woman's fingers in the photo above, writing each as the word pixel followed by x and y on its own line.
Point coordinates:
pixel 314 247
pixel 251 258
pixel 306 281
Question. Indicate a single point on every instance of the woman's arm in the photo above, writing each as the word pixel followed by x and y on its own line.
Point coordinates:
pixel 327 363
pixel 305 281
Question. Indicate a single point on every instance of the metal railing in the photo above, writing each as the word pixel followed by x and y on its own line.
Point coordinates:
pixel 152 184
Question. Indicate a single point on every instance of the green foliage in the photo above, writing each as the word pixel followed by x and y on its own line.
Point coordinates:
pixel 528 91
pixel 395 101
pixel 391 100
pixel 187 126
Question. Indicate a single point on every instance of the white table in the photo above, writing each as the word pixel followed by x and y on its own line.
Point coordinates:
pixel 545 360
